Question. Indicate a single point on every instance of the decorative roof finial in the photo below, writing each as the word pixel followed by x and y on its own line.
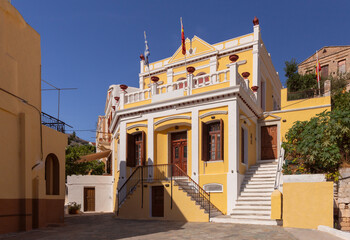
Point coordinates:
pixel 255 21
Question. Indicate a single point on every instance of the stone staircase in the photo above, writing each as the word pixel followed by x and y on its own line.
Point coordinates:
pixel 192 191
pixel 254 203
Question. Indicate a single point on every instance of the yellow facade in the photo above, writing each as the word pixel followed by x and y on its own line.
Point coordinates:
pixel 206 123
pixel 307 204
pixel 33 194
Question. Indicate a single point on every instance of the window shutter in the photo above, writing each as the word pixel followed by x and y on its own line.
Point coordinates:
pixel 143 149
pixel 130 150
pixel 205 147
pixel 222 139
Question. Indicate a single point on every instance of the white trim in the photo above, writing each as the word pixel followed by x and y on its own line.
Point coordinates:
pixel 136 125
pixel 299 109
pixel 172 118
pixel 212 184
pixel 212 113
pixel 243 117
pixel 150 144
pixel 214 161
pixel 195 146
pixel 197 68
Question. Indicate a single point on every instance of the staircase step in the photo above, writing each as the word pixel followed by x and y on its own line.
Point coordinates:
pixel 254 198
pixel 250 212
pixel 260 186
pixel 255 179
pixel 246 221
pixel 250 182
pixel 251 207
pixel 261 172
pixel 267 217
pixel 252 194
pixel 253 203
pixel 259 190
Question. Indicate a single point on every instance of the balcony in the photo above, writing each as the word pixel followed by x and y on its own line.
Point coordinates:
pixel 189 86
pixel 53 122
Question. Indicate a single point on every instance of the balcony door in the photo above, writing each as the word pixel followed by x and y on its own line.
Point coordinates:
pixel 179 151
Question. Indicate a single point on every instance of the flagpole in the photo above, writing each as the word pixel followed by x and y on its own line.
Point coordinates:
pixel 318 74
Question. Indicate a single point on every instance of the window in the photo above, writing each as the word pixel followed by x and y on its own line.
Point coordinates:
pixel 324 71
pixel 52 175
pixel 136 145
pixel 212 141
pixel 341 67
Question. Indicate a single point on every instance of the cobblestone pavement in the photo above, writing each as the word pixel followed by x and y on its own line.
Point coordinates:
pixel 107 227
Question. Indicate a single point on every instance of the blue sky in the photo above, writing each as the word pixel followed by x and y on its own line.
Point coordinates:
pixel 92 44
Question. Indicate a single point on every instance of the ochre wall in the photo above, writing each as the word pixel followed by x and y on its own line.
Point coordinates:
pixel 308 205
pixel 302 103
pixel 23 200
pixel 184 209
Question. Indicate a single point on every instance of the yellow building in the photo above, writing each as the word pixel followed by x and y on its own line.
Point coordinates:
pixel 32 155
pixel 197 143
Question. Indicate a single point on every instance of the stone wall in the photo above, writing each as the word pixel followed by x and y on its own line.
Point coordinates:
pixel 344 199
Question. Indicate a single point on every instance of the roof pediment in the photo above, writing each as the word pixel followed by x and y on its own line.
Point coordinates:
pixel 199 47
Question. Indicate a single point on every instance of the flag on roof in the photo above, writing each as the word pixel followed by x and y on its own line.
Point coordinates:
pixel 183 38
pixel 146 50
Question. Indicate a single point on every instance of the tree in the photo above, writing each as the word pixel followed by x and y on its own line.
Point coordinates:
pixel 321 144
pixel 297 82
pixel 73 153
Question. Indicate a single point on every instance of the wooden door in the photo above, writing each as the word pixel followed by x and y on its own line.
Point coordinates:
pixel 157 201
pixel 89 199
pixel 269 142
pixel 179 151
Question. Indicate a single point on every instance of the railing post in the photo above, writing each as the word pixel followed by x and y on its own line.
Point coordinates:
pixel 171 180
pixel 118 202
pixel 142 186
pixel 233 73
pixel 209 206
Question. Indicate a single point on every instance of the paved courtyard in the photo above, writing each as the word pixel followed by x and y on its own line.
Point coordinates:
pixel 107 227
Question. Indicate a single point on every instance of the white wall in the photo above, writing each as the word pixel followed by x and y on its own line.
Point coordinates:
pixel 103 191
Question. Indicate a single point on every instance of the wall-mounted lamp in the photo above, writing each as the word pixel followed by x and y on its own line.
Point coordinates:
pixel 137 129
pixel 212 117
pixel 284 120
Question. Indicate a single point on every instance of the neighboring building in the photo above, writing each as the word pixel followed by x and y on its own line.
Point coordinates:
pixel 32 155
pixel 334 60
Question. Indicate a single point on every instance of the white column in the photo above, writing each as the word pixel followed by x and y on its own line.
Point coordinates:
pixel 141 66
pixel 195 146
pixel 122 99
pixel 150 145
pixel 189 84
pixel 213 67
pixel 233 73
pixel 256 65
pixel 141 80
pixel 233 161
pixel 170 76
pixel 154 89
pixel 122 154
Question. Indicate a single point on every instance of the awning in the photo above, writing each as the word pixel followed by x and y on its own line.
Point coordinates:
pixel 94 156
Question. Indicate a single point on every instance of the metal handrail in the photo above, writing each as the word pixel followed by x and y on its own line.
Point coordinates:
pixel 279 169
pixel 121 199
pixel 165 172
pixel 205 195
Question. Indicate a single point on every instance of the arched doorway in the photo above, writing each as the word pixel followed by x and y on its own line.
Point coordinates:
pixel 52 175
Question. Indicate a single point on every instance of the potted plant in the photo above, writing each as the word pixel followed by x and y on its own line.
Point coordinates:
pixel 74 208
